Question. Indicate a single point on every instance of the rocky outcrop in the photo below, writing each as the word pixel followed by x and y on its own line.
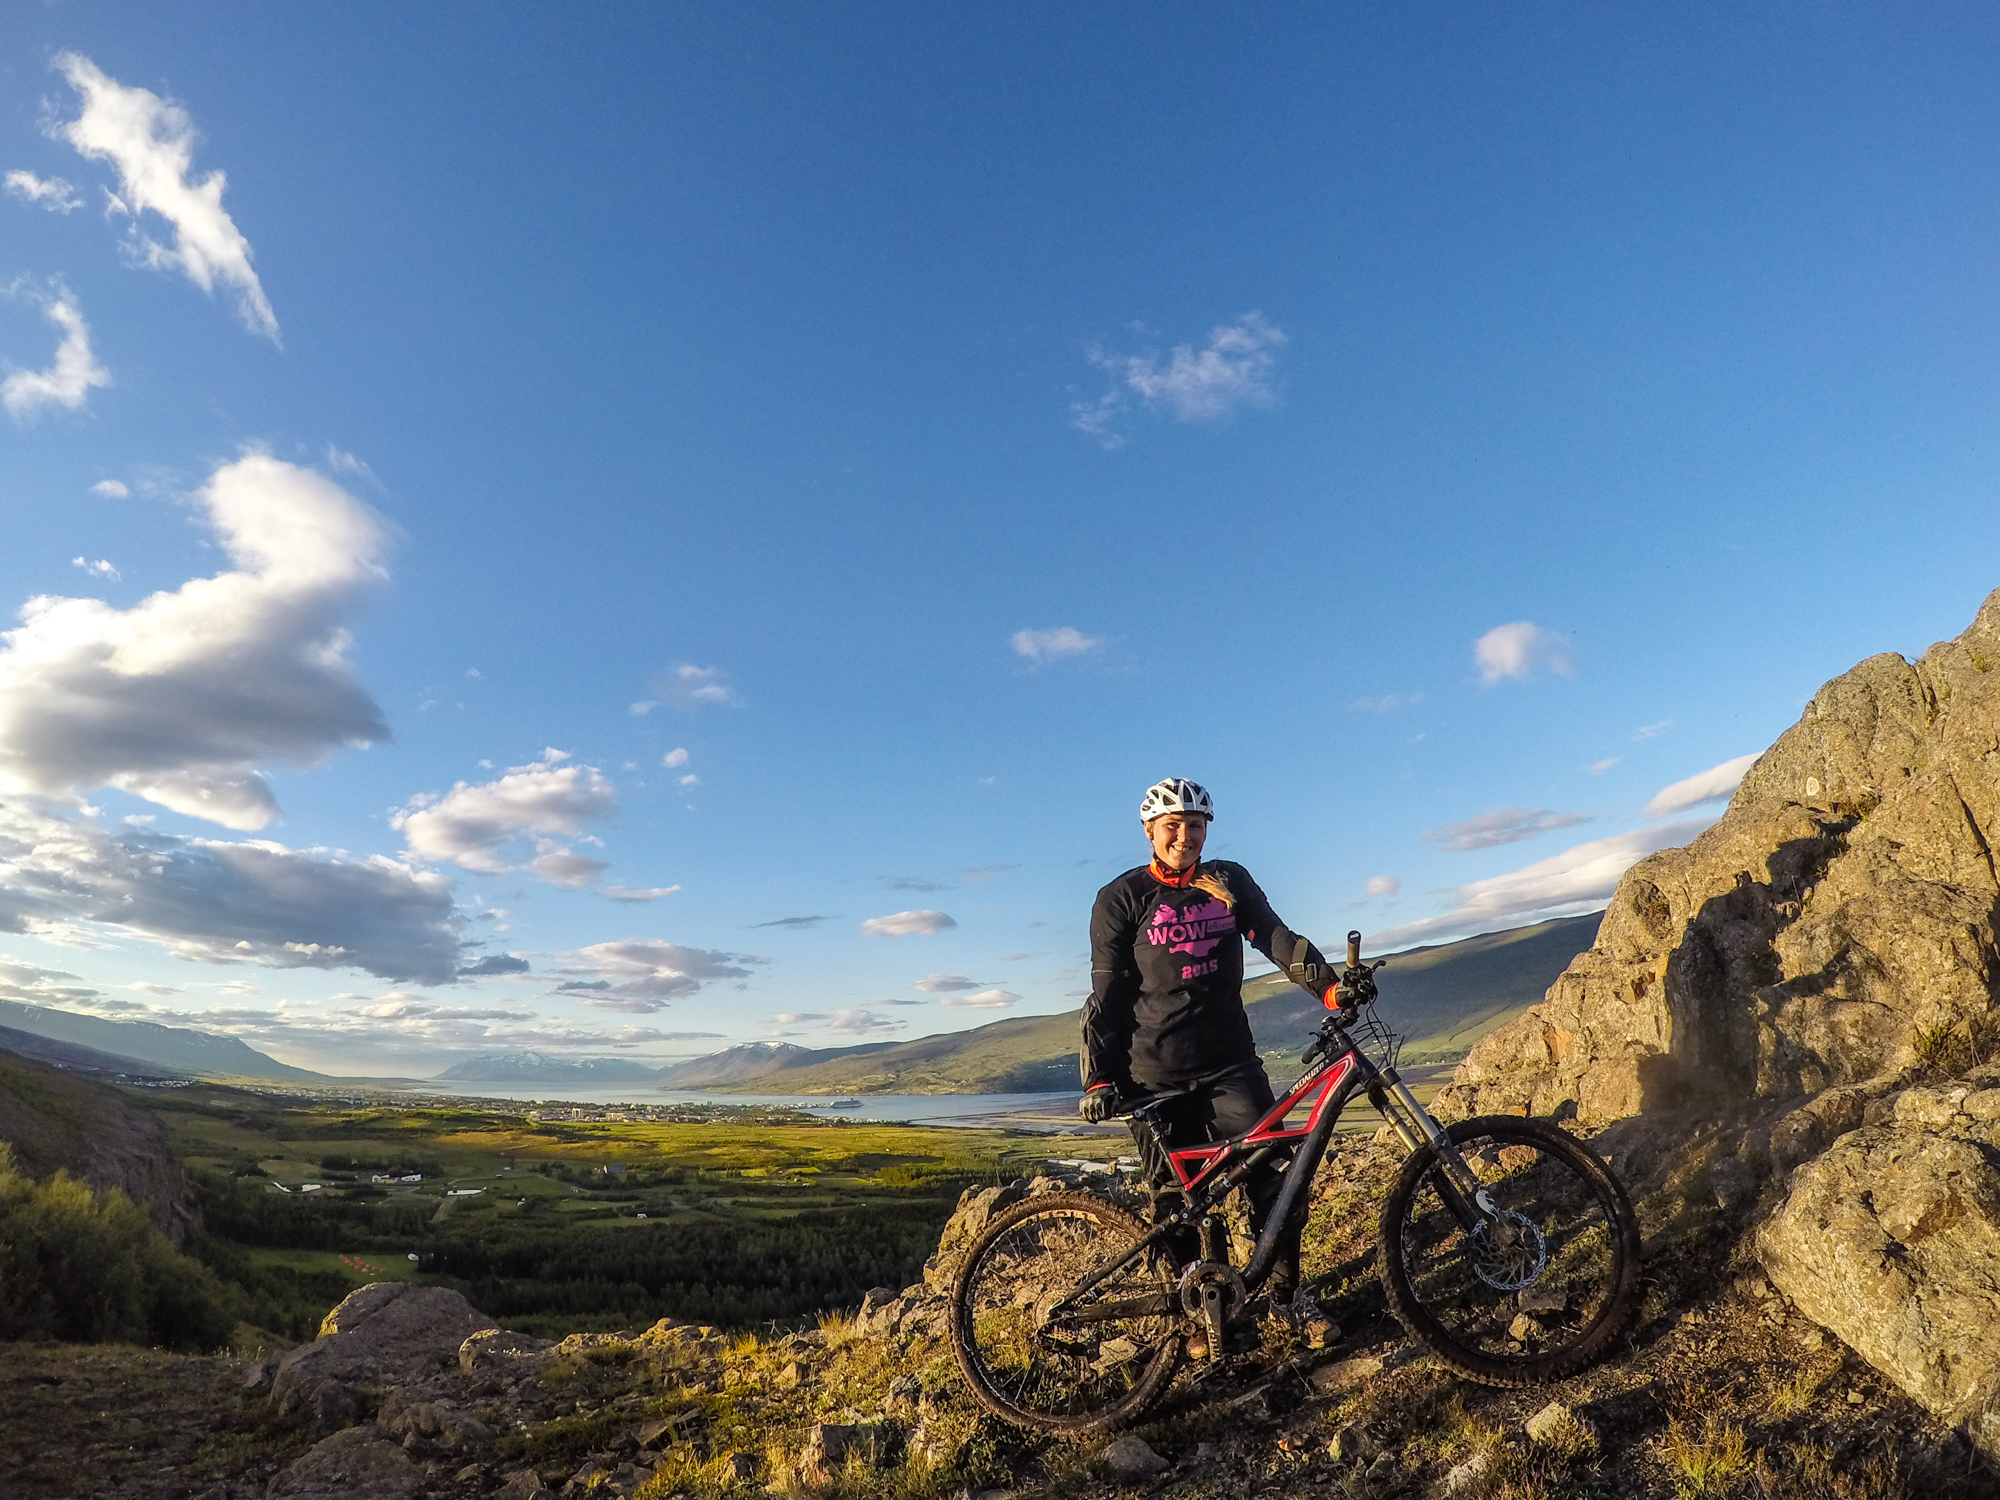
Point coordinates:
pixel 1837 925
pixel 1891 1238
pixel 388 1332
pixel 1828 944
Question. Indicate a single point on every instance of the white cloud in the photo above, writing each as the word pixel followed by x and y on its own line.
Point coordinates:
pixel 907 924
pixel 1652 731
pixel 644 974
pixel 1052 645
pixel 673 760
pixel 478 826
pixel 51 193
pixel 860 1022
pixel 1503 825
pixel 69 381
pixel 636 893
pixel 689 780
pixel 110 489
pixel 1599 767
pixel 180 698
pixel 1383 885
pixel 1520 650
pixel 1576 880
pixel 342 462
pixel 1232 370
pixel 944 984
pixel 101 568
pixel 689 687
pixel 151 143
pixel 1715 782
pixel 1386 703
pixel 984 1000
pixel 225 902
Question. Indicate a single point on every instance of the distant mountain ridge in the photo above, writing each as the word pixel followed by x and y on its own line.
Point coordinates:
pixel 1442 999
pixel 165 1048
pixel 539 1067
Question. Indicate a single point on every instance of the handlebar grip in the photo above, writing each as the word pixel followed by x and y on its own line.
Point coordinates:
pixel 1354 950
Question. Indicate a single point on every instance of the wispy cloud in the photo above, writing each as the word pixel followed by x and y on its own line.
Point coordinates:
pixel 945 984
pixel 110 489
pixel 690 687
pixel 1576 880
pixel 1710 785
pixel 1599 767
pixel 795 923
pixel 1383 885
pixel 641 975
pixel 984 1000
pixel 639 893
pixel 1520 650
pixel 181 698
pixel 1652 731
pixel 912 883
pixel 1041 646
pixel 673 760
pixel 75 373
pixel 1386 703
pixel 907 924
pixel 51 193
pixel 1503 825
pixel 98 568
pixel 862 1022
pixel 1231 371
pixel 151 143
pixel 478 826
pixel 493 965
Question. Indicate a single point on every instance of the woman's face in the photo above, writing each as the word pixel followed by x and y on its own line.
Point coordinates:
pixel 1177 838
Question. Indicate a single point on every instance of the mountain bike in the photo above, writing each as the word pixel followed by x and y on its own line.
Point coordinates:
pixel 1506 1247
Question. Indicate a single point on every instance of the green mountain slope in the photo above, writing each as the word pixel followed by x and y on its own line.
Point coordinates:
pixel 1442 998
pixel 168 1048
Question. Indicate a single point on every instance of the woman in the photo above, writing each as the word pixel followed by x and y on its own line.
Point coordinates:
pixel 1165 1015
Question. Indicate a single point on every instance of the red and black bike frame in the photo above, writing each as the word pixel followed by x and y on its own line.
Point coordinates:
pixel 1207 1173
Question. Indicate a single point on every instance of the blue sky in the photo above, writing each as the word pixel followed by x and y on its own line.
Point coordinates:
pixel 1440 432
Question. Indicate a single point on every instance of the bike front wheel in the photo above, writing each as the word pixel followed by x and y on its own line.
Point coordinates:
pixel 1527 1284
pixel 1037 1350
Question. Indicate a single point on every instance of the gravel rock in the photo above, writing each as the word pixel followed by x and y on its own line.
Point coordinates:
pixel 1131 1457
pixel 358 1464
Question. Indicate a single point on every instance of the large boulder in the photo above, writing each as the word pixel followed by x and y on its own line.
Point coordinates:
pixel 1891 1238
pixel 1837 925
pixel 387 1332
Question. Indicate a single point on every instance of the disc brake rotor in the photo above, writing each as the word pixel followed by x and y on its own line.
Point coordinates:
pixel 1508 1252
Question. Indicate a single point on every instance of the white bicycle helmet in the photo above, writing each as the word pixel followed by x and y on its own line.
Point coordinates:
pixel 1175 795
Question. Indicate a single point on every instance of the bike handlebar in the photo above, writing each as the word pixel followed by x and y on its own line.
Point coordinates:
pixel 1354 950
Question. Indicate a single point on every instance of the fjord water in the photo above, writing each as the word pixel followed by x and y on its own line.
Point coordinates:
pixel 1045 1111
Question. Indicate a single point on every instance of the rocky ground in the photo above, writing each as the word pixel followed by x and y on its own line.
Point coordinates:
pixel 1722 1388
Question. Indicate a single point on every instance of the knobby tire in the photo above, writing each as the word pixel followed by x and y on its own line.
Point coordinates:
pixel 1464 1298
pixel 1074 1380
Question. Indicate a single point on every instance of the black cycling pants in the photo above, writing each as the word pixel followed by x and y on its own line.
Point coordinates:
pixel 1213 1111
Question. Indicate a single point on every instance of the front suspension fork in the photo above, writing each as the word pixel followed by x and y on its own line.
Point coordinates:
pixel 1461 1190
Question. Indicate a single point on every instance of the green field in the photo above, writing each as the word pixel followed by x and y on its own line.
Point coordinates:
pixel 556 1226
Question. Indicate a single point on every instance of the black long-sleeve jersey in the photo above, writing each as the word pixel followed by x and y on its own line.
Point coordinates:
pixel 1166 975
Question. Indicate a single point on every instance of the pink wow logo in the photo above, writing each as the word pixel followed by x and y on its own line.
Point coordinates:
pixel 1196 930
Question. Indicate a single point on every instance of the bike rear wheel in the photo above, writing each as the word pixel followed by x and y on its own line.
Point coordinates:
pixel 1100 1360
pixel 1548 1278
